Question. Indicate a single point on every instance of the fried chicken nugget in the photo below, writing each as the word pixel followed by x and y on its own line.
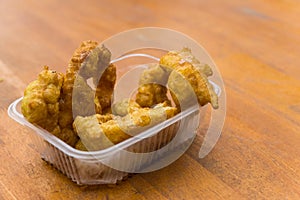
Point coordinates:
pixel 40 104
pixel 186 82
pixel 97 136
pixel 152 88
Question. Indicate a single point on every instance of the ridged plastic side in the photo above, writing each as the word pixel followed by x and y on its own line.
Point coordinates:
pixel 90 172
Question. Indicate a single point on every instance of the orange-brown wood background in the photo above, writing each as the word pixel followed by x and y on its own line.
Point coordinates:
pixel 256 46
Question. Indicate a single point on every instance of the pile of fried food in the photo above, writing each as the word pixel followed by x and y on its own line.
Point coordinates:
pixel 69 107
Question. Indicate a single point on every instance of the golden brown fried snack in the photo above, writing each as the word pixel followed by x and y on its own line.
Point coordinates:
pixel 186 82
pixel 66 115
pixel 97 136
pixel 80 146
pixel 187 67
pixel 90 133
pixel 151 94
pixel 105 88
pixel 40 103
pixel 152 88
pixel 103 74
pixel 89 61
pixel 123 107
pixel 174 58
pixel 48 101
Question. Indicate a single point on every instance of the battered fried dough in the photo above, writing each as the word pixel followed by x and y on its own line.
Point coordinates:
pixel 174 58
pixel 78 98
pixel 40 102
pixel 152 88
pixel 97 136
pixel 65 104
pixel 105 88
pixel 103 74
pixel 125 106
pixel 80 146
pixel 54 100
pixel 186 82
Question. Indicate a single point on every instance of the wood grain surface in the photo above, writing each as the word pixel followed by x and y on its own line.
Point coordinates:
pixel 256 46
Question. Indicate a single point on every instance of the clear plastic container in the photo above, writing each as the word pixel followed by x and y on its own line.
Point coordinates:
pixel 155 147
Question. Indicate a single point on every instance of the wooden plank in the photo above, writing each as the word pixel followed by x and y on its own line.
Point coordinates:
pixel 186 179
pixel 254 43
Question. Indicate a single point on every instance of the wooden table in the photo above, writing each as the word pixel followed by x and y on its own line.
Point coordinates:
pixel 256 46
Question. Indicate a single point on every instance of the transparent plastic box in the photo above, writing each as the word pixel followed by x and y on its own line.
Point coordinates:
pixel 151 149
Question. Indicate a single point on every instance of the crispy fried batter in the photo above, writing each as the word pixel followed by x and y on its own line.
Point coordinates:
pixel 174 58
pixel 80 146
pixel 105 88
pixel 78 97
pixel 40 103
pixel 90 133
pixel 125 106
pixel 97 136
pixel 66 114
pixel 83 98
pixel 54 100
pixel 151 94
pixel 186 82
pixel 152 88
pixel 186 67
pixel 103 74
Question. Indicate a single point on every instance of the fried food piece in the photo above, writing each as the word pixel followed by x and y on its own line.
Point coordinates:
pixel 136 121
pixel 54 100
pixel 104 118
pixel 152 88
pixel 40 102
pixel 68 135
pixel 105 88
pixel 174 58
pixel 90 133
pixel 89 61
pixel 97 136
pixel 187 82
pixel 80 146
pixel 82 98
pixel 151 94
pixel 66 114
pixel 188 79
pixel 103 74
pixel 125 106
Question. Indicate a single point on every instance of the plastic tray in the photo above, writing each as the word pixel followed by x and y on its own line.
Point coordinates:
pixel 152 149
